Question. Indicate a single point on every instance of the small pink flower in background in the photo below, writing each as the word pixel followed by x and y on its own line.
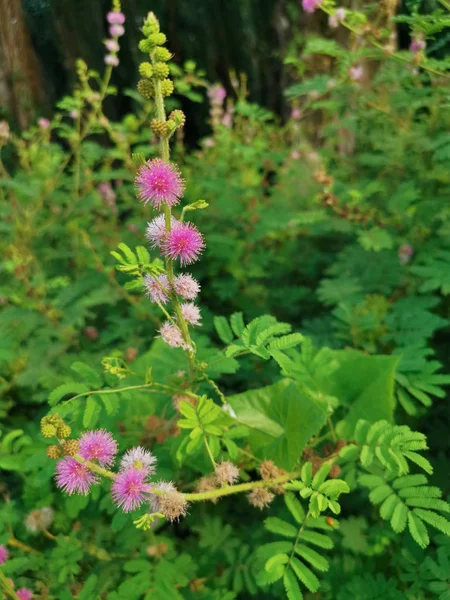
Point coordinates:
pixel 164 486
pixel 185 242
pixel 24 594
pixel 112 46
pixel 311 5
pixel 296 114
pixel 115 18
pixel 43 123
pixel 74 114
pixel 295 155
pixel 217 94
pixel 157 288
pixel 191 313
pixel 98 445
pixel 186 286
pixel 112 60
pixel 91 333
pixel 156 230
pixel 107 193
pixel 418 43
pixel 337 18
pixel 73 477
pixel 356 73
pixel 3 554
pixel 159 182
pixel 208 142
pixel 405 253
pixel 227 119
pixel 139 458
pixel 116 30
pixel 171 335
pixel 130 489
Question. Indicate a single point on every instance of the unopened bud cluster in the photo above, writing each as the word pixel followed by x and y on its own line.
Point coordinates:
pixel 54 426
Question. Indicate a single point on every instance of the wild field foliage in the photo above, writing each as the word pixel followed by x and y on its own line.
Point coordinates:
pixel 224 368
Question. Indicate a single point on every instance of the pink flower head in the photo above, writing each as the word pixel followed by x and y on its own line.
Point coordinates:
pixel 163 486
pixel 186 286
pixel 217 94
pixel 295 154
pixel 130 489
pixel 191 313
pixel 338 17
pixel 112 46
pixel 418 43
pixel 356 73
pixel 311 5
pixel 43 123
pixel 296 114
pixel 138 458
pixel 116 30
pixel 172 336
pixel 159 182
pixel 157 288
pixel 115 18
pixel 24 594
pixel 98 445
pixel 74 114
pixel 3 554
pixel 209 142
pixel 405 253
pixel 185 242
pixel 74 477
pixel 112 60
pixel 107 193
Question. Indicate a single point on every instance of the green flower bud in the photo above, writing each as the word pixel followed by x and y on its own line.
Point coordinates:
pixel 53 452
pixel 162 54
pixel 158 127
pixel 178 117
pixel 71 447
pixel 161 70
pixel 166 87
pixel 145 70
pixel 48 430
pixel 63 431
pixel 145 45
pixel 145 88
pixel 157 39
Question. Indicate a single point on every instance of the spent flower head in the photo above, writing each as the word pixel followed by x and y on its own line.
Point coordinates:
pixel 186 286
pixel 226 472
pixel 156 230
pixel 40 519
pixel 157 288
pixel 191 313
pixel 171 335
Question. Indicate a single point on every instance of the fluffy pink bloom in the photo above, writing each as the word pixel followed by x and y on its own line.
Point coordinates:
pixel 185 242
pixel 112 60
pixel 311 5
pixel 405 253
pixel 157 288
pixel 356 73
pixel 116 30
pixel 164 486
pixel 296 114
pixel 338 17
pixel 156 230
pixel 130 489
pixel 115 18
pixel 139 458
pixel 98 445
pixel 24 594
pixel 191 313
pixel 217 94
pixel 186 286
pixel 172 336
pixel 74 114
pixel 295 154
pixel 208 142
pixel 43 123
pixel 112 46
pixel 107 193
pixel 3 554
pixel 418 43
pixel 159 182
pixel 73 477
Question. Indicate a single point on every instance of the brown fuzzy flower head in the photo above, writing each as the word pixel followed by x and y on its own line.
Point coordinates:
pixel 207 484
pixel 269 470
pixel 53 451
pixel 177 398
pixel 334 472
pixel 260 498
pixel 71 447
pixel 226 472
pixel 39 520
pixel 173 505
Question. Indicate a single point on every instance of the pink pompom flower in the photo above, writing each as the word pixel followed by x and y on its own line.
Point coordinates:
pixel 296 114
pixel 115 18
pixel 159 182
pixel 3 554
pixel 405 253
pixel 185 242
pixel 74 477
pixel 157 288
pixel 130 489
pixel 43 123
pixel 112 60
pixel 156 230
pixel 356 73
pixel 186 286
pixel 139 458
pixel 98 445
pixel 116 30
pixel 24 594
pixel 311 5
pixel 171 335
pixel 191 313
pixel 112 46
pixel 418 43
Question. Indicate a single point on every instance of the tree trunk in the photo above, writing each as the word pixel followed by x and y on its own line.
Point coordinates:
pixel 21 82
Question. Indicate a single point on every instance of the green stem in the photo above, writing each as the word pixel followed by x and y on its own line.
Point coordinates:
pixel 96 468
pixel 297 540
pixel 7 586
